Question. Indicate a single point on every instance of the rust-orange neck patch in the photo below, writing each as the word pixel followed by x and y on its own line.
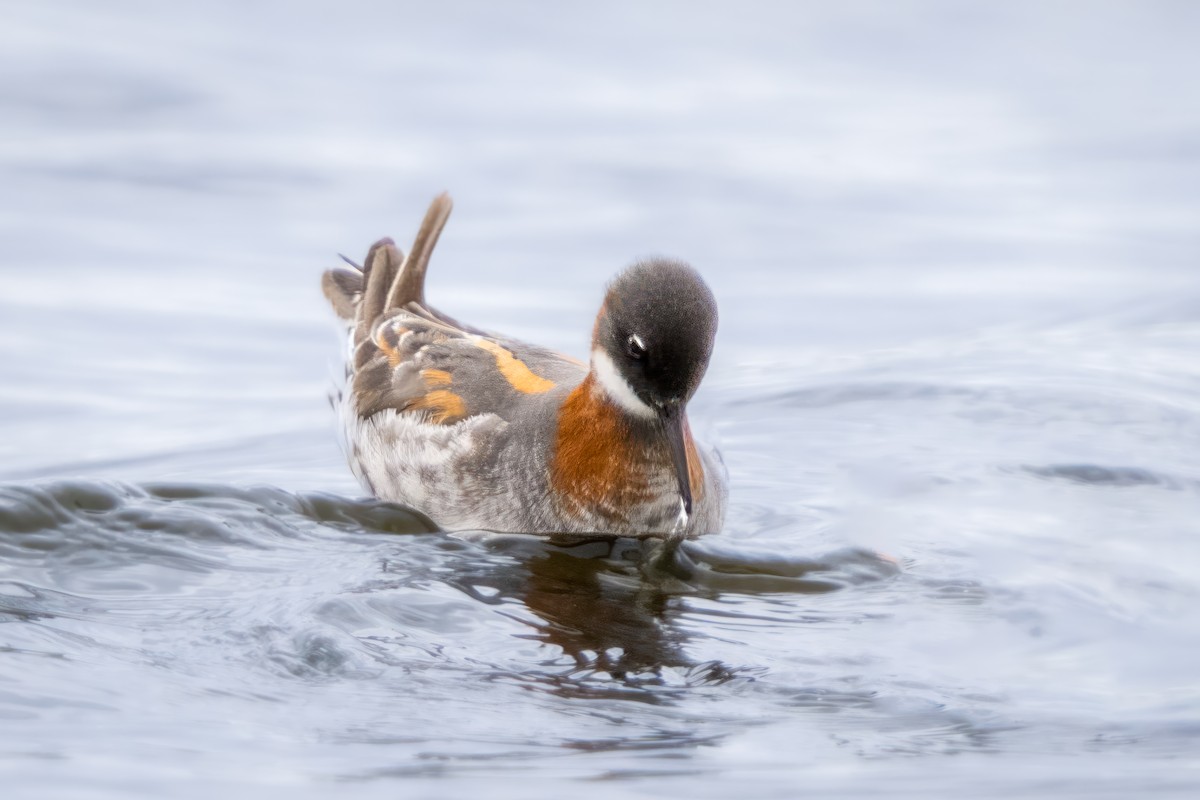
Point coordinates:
pixel 600 465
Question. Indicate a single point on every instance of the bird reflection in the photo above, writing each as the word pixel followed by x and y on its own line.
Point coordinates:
pixel 604 613
pixel 610 606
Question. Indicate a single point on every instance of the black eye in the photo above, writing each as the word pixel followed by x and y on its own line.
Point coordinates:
pixel 634 348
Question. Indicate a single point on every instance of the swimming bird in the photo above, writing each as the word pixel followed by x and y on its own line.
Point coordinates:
pixel 481 431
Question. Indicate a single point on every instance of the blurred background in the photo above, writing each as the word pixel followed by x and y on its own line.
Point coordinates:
pixel 955 251
pixel 858 174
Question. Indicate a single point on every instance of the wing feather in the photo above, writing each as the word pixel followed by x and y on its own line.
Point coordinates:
pixel 410 358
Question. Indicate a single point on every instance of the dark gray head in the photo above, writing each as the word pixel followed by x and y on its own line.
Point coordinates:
pixel 657 327
pixel 651 346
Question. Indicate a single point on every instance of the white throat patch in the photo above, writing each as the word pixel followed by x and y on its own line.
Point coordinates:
pixel 616 387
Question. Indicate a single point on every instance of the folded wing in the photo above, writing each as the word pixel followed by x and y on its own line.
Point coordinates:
pixel 408 357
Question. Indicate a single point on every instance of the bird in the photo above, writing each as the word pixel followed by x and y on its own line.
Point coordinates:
pixel 480 431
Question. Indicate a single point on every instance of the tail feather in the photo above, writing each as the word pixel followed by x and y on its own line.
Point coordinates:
pixel 409 285
pixel 380 269
pixel 343 288
pixel 387 279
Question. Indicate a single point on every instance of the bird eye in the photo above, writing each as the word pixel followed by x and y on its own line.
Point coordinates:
pixel 635 348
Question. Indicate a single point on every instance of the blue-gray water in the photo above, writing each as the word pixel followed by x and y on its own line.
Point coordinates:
pixel 957 387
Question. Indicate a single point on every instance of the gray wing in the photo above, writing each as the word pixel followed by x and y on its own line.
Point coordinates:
pixel 415 362
pixel 411 358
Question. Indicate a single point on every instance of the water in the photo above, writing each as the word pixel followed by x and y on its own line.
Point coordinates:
pixel 955 384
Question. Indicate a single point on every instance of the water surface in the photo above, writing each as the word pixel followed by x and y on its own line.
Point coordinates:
pixel 955 385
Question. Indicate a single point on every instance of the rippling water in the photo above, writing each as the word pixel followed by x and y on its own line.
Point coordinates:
pixel 956 386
